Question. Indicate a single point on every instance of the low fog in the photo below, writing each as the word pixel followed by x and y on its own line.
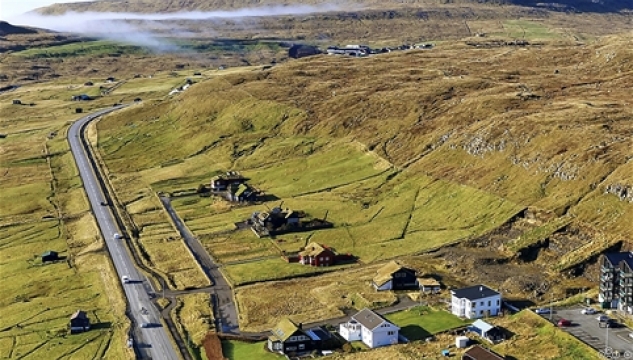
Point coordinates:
pixel 142 29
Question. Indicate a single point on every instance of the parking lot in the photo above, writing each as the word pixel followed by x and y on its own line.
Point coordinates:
pixel 587 329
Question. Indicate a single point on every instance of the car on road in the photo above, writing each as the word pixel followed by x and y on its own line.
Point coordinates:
pixel 104 203
pixel 145 325
pixel 564 323
pixel 588 311
pixel 603 318
pixel 542 311
pixel 117 236
pixel 125 279
pixel 130 342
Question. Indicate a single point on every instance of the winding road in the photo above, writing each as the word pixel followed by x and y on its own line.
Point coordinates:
pixel 151 340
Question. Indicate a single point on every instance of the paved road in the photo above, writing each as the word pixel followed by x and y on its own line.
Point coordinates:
pixel 587 329
pixel 221 292
pixel 151 342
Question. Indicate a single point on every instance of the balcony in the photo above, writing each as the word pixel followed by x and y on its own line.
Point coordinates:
pixel 605 269
pixel 626 275
pixel 606 286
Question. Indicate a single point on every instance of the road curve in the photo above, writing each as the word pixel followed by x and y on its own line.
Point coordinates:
pixel 151 342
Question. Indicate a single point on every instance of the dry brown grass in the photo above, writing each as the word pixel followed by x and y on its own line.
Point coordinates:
pixel 196 316
pixel 308 300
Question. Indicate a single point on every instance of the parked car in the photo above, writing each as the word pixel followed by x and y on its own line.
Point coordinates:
pixel 564 323
pixel 588 311
pixel 603 318
pixel 542 311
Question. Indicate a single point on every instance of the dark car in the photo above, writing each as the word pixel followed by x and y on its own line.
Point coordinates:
pixel 564 323
pixel 104 203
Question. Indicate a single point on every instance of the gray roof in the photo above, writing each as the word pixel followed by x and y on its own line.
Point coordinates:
pixel 616 258
pixel 369 319
pixel 474 292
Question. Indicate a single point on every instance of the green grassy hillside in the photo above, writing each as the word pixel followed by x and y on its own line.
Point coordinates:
pixel 406 151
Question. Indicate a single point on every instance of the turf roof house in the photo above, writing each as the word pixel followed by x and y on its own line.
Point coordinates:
pixel 222 182
pixel 290 338
pixel 394 276
pixel 475 302
pixel 317 255
pixel 370 328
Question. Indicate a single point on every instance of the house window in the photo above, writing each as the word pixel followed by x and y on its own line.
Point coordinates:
pixel 497 302
pixel 489 302
pixel 327 258
pixel 391 333
pixel 302 346
pixel 481 312
pixel 473 304
pixel 482 303
pixel 321 258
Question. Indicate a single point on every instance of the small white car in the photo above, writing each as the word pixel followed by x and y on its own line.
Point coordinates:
pixel 116 236
pixel 588 311
pixel 126 279
pixel 130 342
pixel 542 311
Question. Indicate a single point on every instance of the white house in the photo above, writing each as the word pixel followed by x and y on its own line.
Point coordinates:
pixel 475 302
pixel 371 328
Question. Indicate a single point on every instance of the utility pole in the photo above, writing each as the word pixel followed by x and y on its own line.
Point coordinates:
pixel 606 345
pixel 551 304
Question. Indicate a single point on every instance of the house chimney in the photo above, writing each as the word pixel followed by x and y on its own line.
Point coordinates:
pixel 300 326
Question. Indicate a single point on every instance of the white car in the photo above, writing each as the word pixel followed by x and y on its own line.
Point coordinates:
pixel 542 311
pixel 126 279
pixel 116 236
pixel 588 311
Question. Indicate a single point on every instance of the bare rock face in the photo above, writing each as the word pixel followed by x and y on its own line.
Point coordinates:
pixel 623 192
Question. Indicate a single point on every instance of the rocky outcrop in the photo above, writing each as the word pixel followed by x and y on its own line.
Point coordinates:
pixel 623 192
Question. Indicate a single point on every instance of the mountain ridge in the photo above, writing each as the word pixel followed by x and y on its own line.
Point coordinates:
pixel 151 6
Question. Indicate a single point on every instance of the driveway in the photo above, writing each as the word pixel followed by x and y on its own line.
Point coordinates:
pixel 587 329
pixel 222 293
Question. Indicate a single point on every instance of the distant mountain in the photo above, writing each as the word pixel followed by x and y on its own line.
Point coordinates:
pixel 8 29
pixel 157 6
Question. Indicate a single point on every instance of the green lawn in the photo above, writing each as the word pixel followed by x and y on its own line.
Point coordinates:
pixel 238 350
pixel 420 322
pixel 81 48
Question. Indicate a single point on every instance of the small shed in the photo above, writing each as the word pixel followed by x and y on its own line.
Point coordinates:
pixel 88 83
pixel 50 256
pixel 487 331
pixel 461 342
pixel 79 322
pixel 79 110
pixel 17 102
pixel 429 285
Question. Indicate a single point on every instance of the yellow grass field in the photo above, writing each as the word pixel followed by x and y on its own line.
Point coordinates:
pixel 262 305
